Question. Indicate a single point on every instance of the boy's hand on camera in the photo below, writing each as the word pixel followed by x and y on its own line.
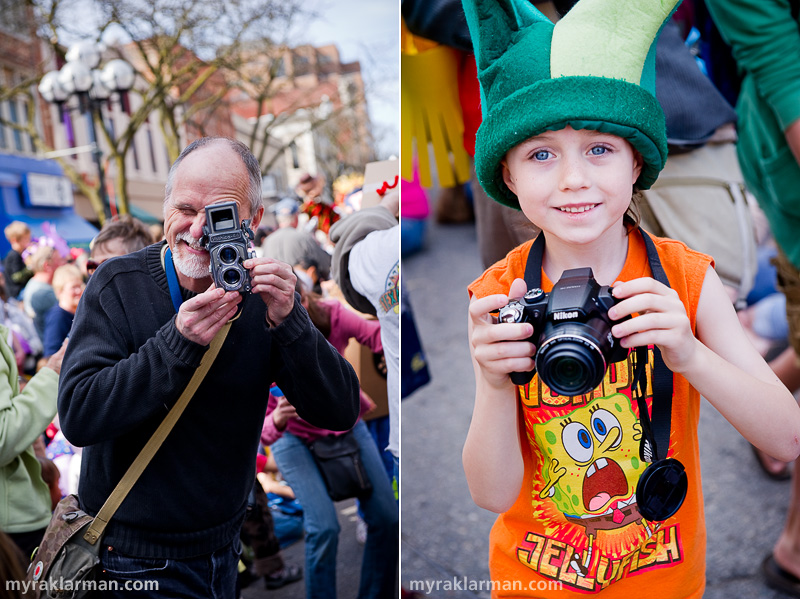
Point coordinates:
pixel 661 321
pixel 500 349
pixel 274 281
pixel 201 317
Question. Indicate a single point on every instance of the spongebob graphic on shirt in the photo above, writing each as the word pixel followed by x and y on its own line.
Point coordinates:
pixel 584 487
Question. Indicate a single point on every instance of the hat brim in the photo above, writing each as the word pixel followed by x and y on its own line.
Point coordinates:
pixel 602 104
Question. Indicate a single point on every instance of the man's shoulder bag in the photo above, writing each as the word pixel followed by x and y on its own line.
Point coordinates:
pixel 64 565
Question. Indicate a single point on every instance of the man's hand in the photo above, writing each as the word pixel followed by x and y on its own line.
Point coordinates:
pixel 283 412
pixel 54 361
pixel 274 281
pixel 201 317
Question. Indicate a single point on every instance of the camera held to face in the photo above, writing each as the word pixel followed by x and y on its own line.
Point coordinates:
pixel 571 332
pixel 228 244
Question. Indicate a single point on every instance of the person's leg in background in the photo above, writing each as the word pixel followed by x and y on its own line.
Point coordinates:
pixel 379 566
pixel 258 533
pixel 782 567
pixel 319 514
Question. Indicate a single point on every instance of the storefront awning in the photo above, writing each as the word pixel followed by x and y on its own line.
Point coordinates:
pixel 36 192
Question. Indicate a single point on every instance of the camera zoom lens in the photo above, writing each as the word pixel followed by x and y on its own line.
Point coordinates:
pixel 232 277
pixel 570 368
pixel 228 255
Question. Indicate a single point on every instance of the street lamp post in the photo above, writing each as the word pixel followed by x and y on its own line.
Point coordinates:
pixel 81 77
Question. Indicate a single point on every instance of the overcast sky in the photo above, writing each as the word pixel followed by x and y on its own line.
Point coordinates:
pixel 367 31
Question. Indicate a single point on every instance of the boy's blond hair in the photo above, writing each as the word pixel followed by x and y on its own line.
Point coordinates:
pixel 63 275
pixel 16 230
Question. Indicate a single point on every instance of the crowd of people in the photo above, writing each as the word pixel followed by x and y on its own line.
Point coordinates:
pixel 131 320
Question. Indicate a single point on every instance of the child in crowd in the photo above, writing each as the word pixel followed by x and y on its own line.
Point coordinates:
pixel 571 129
pixel 18 235
pixel 68 285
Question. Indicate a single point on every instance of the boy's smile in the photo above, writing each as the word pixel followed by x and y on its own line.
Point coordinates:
pixel 574 184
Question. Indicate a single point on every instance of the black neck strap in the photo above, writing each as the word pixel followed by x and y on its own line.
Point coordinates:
pixel 655 434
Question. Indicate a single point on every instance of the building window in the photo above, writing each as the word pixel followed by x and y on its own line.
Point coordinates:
pixel 3 140
pixel 300 65
pixel 281 70
pixel 13 116
pixel 295 155
pixel 15 19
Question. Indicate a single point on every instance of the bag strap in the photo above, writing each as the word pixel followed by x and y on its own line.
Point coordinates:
pixel 96 529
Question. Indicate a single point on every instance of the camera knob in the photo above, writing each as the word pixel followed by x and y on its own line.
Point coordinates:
pixel 534 294
pixel 510 313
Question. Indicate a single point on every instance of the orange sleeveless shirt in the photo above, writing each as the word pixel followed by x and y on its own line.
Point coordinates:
pixel 575 526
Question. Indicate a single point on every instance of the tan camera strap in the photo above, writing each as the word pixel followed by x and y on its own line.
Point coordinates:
pixel 96 529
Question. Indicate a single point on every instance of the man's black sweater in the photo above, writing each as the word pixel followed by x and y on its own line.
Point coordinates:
pixel 127 364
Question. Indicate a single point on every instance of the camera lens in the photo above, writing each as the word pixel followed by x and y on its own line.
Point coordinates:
pixel 228 254
pixel 232 277
pixel 569 371
pixel 570 366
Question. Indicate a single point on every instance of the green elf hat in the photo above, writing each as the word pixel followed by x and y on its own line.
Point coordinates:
pixel 593 69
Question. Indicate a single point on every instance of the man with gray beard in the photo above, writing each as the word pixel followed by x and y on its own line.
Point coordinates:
pixel 132 351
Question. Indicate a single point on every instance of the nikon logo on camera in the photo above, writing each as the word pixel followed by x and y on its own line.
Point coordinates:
pixel 565 315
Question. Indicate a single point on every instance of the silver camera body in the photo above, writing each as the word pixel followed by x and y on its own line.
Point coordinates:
pixel 228 243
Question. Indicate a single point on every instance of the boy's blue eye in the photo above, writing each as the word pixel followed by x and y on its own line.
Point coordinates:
pixel 598 150
pixel 541 155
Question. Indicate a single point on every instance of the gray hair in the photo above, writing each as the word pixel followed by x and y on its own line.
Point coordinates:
pixel 250 162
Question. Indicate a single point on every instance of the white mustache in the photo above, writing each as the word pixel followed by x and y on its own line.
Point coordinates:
pixel 189 240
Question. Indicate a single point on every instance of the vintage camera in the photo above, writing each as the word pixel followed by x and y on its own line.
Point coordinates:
pixel 571 332
pixel 228 244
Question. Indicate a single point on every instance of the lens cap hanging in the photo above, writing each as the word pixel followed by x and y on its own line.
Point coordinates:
pixel 661 489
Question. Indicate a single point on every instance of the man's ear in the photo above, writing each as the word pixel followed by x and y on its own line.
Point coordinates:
pixel 507 179
pixel 256 220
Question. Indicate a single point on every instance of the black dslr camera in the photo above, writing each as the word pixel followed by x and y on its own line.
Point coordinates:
pixel 228 244
pixel 571 331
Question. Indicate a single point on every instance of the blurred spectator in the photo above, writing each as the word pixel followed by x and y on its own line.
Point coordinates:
pixel 317 203
pixel 258 533
pixel 118 237
pixel 25 501
pixel 18 235
pixel 10 569
pixel 68 286
pixel 415 209
pixel 765 40
pixel 289 435
pixel 156 232
pixel 26 342
pixel 366 266
pixel 38 295
pixel 298 248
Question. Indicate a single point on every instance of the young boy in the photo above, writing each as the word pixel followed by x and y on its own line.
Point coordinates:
pixel 18 235
pixel 571 128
